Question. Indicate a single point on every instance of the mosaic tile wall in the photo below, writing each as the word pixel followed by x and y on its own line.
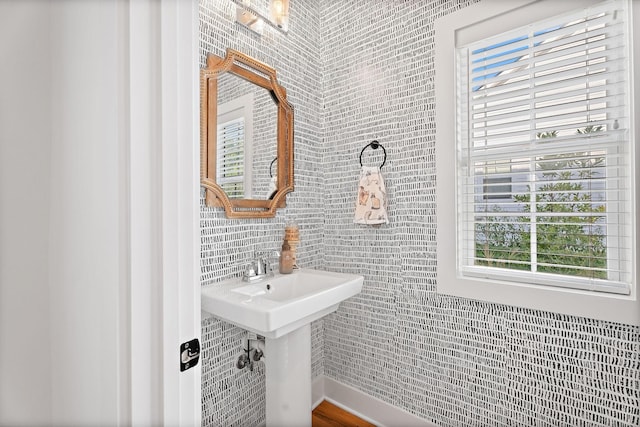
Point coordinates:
pixel 233 397
pixel 452 361
pixel 358 71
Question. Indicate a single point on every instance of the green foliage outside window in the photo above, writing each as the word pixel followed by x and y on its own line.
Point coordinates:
pixel 569 229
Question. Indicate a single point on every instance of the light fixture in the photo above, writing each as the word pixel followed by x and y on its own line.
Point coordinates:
pixel 279 13
pixel 252 14
pixel 249 19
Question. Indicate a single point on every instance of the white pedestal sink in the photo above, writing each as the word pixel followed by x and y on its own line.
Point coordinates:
pixel 281 309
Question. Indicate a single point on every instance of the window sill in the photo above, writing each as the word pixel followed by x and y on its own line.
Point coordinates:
pixel 597 305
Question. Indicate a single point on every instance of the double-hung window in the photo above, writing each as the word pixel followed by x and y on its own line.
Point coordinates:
pixel 543 154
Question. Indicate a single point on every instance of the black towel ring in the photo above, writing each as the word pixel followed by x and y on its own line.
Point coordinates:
pixel 271 167
pixel 374 144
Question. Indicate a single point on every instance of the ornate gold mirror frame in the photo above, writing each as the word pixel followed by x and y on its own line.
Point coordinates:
pixel 262 75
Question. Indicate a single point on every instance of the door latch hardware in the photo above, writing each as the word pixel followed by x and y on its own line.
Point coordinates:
pixel 189 354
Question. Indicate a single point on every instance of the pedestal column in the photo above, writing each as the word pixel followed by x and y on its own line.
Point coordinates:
pixel 288 379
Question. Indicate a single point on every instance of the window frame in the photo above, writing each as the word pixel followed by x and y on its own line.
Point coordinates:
pixel 479 21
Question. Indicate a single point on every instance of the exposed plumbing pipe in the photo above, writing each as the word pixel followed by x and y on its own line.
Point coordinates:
pixel 253 351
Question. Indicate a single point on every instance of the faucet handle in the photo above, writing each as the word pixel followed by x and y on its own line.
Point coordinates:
pixel 263 260
pixel 250 271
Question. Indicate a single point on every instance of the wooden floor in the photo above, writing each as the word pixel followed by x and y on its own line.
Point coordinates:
pixel 329 415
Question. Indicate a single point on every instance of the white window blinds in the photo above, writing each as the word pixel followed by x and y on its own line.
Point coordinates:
pixel 231 157
pixel 544 187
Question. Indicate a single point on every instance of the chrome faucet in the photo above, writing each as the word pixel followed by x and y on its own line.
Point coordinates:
pixel 260 267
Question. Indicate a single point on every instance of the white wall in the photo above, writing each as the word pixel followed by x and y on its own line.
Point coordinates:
pixel 25 148
pixel 59 213
pixel 85 215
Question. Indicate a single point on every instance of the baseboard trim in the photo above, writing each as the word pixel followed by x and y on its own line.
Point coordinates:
pixel 317 391
pixel 367 407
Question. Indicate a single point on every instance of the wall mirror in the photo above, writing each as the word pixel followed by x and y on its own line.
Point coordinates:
pixel 246 137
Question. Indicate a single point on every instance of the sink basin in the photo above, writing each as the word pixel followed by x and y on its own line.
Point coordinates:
pixel 275 306
pixel 281 308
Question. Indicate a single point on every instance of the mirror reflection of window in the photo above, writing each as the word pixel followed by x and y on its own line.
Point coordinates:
pixel 267 133
pixel 233 172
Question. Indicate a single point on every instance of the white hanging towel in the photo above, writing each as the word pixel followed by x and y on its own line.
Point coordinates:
pixel 371 203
